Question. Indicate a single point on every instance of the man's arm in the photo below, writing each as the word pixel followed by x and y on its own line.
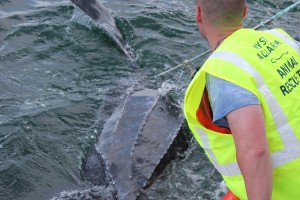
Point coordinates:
pixel 248 128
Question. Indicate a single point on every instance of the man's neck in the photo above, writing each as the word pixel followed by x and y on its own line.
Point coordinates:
pixel 216 36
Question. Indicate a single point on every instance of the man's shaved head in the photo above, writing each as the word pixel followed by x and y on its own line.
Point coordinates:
pixel 223 12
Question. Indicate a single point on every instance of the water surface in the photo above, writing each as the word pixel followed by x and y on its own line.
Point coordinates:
pixel 61 77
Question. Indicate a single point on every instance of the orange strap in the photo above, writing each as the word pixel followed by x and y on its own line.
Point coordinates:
pixel 230 196
pixel 205 116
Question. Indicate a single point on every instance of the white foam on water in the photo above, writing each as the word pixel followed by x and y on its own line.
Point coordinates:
pixel 39 4
pixel 221 191
pixel 4 15
pixel 3 46
pixel 81 18
pixel 96 192
pixel 166 87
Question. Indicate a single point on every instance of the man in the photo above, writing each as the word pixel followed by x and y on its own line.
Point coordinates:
pixel 243 105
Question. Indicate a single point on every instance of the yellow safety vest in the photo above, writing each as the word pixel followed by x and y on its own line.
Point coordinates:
pixel 267 63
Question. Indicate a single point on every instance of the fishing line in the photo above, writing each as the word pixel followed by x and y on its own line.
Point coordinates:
pixel 263 23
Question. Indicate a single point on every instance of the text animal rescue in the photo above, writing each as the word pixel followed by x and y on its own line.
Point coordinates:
pixel 293 79
pixel 286 71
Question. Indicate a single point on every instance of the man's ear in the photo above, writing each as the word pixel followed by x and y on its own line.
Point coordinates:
pixel 245 11
pixel 198 14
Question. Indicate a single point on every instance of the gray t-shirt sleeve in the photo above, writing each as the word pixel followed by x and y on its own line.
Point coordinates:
pixel 225 97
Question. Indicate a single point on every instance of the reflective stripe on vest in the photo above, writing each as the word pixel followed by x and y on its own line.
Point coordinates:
pixel 285 38
pixel 231 169
pixel 291 149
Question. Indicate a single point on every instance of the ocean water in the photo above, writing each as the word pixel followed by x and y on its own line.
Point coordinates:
pixel 61 77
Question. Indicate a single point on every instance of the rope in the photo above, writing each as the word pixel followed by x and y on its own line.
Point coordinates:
pixel 276 16
pixel 185 63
